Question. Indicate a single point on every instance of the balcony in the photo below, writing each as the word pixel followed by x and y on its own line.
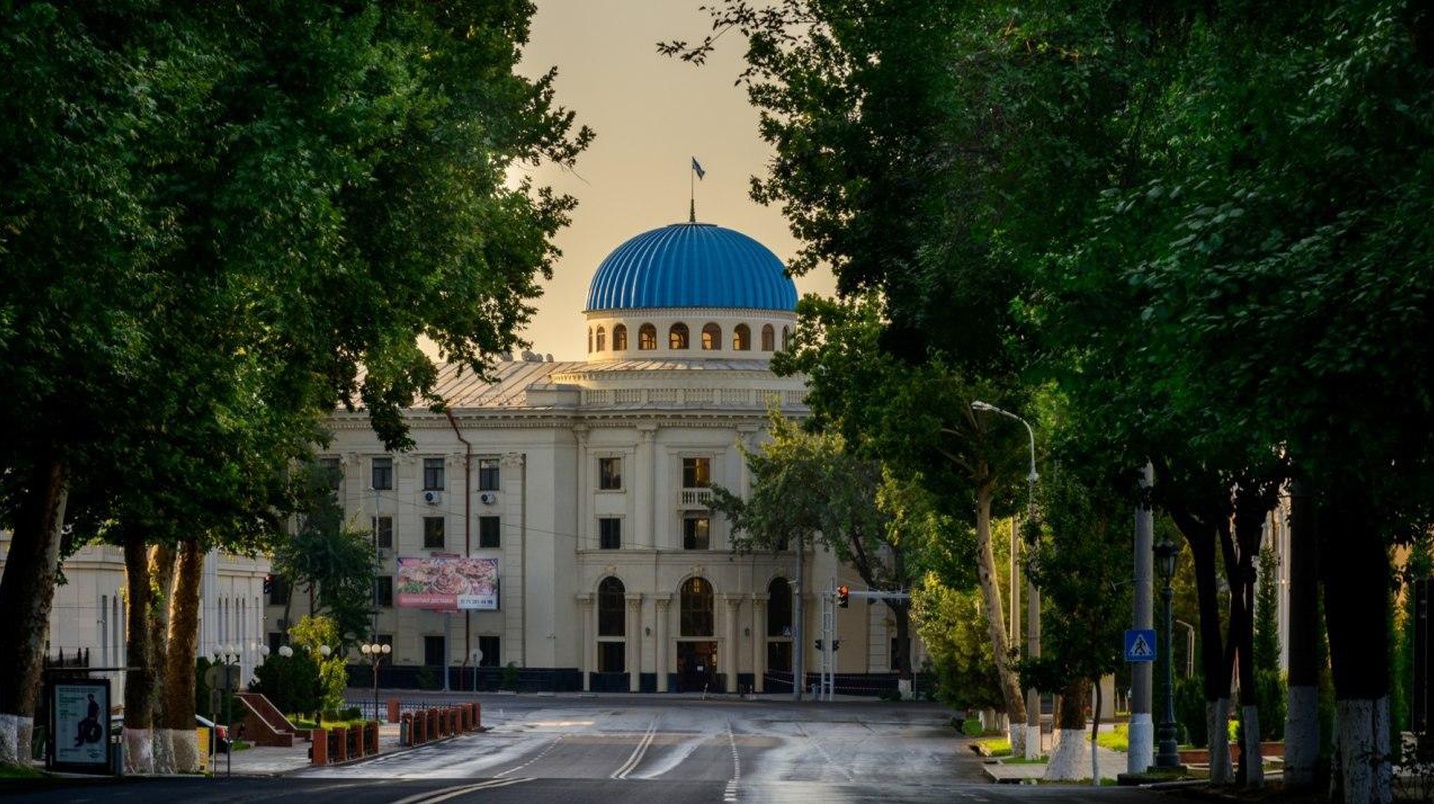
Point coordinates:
pixel 693 499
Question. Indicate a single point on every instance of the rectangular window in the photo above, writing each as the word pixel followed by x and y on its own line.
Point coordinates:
pixel 433 533
pixel 278 590
pixel 610 533
pixel 488 646
pixel 434 651
pixel 490 532
pixel 696 532
pixel 383 591
pixel 488 474
pixel 610 474
pixel 382 529
pixel 382 478
pixel 696 473
pixel 432 474
pixel 611 657
pixel 331 472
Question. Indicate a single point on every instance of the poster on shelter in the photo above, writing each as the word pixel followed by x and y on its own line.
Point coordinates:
pixel 448 583
pixel 81 720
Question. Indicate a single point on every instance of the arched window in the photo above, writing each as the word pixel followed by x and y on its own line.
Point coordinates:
pixel 786 338
pixel 711 337
pixel 677 337
pixel 647 337
pixel 779 625
pixel 612 608
pixel 741 337
pixel 696 602
pixel 769 338
pixel 619 338
pixel 602 339
pixel 590 339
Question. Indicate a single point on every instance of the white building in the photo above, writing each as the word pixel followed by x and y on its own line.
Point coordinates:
pixel 574 494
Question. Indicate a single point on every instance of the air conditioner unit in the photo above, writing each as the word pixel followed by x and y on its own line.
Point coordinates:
pixel 433 497
pixel 488 497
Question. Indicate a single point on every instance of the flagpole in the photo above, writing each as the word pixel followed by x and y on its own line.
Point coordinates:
pixel 692 195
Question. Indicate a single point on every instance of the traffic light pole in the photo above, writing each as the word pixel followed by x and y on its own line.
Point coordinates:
pixel 834 597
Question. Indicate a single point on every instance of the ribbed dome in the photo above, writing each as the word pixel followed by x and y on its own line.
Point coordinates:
pixel 691 265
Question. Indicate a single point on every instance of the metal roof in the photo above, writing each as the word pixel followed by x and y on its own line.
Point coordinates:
pixel 691 265
pixel 461 388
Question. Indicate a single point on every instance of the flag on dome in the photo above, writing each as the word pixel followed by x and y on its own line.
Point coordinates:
pixel 697 168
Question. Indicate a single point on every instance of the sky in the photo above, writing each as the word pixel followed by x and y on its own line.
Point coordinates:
pixel 652 115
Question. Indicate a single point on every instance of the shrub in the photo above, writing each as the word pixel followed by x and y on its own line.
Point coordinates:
pixel 510 678
pixel 1190 709
pixel 971 727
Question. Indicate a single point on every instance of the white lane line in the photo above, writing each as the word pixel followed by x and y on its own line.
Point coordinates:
pixel 546 750
pixel 632 761
pixel 444 794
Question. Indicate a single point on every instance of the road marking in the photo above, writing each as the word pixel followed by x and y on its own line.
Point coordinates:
pixel 632 761
pixel 546 749
pixel 453 792
pixel 736 760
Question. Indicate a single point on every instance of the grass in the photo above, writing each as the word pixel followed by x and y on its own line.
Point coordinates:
pixel 19 772
pixel 1117 739
pixel 994 747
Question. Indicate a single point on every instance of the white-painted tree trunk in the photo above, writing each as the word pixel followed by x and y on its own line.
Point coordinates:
pixel 10 753
pixel 1067 759
pixel 1217 725
pixel 164 764
pixel 1363 727
pixel 1016 733
pixel 1301 737
pixel 183 749
pixel 138 751
pixel 1250 748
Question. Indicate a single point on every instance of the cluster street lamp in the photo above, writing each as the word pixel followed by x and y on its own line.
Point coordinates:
pixel 1033 598
pixel 1167 753
pixel 227 656
pixel 374 653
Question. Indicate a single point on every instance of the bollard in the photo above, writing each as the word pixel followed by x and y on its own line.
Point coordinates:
pixel 392 710
pixel 319 750
pixel 340 739
pixel 433 724
pixel 478 715
pixel 405 730
pixel 371 733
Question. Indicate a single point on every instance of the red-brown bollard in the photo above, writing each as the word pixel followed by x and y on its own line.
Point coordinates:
pixel 405 730
pixel 433 724
pixel 319 748
pixel 371 737
pixel 341 744
pixel 420 727
pixel 478 715
pixel 392 710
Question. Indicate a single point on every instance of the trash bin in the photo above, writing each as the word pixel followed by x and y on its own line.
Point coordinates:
pixel 116 758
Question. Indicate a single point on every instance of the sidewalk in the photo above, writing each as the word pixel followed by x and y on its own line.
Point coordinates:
pixel 1111 764
pixel 265 761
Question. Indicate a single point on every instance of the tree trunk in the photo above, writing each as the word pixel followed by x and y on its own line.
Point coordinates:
pixel 799 654
pixel 1252 509
pixel 1070 752
pixel 161 570
pixel 1302 726
pixel 995 622
pixel 27 592
pixel 1201 538
pixel 139 676
pixel 180 660
pixel 1356 598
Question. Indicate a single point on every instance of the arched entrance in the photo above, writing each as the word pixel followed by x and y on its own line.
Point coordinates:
pixel 696 647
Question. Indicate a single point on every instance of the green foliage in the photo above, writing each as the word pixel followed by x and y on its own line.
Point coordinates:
pixel 952 624
pixel 971 727
pixel 509 680
pixel 1270 692
pixel 1267 628
pixel 289 682
pixel 426 678
pixel 1190 710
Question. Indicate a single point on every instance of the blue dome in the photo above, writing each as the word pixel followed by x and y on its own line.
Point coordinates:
pixel 691 265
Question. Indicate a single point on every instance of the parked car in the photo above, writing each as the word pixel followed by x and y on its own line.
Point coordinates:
pixel 218 734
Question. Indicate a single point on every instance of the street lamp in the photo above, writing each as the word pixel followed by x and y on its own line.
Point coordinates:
pixel 1167 753
pixel 1033 598
pixel 227 656
pixel 375 653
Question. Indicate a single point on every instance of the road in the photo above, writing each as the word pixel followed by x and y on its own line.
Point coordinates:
pixel 662 750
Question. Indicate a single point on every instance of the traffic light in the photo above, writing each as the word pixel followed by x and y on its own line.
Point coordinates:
pixel 268 583
pixel 842 596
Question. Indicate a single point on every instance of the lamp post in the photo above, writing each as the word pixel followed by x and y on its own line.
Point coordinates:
pixel 228 657
pixel 1033 596
pixel 1167 750
pixel 286 653
pixel 324 651
pixel 375 653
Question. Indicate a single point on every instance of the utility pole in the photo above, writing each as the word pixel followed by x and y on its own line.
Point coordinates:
pixel 1141 752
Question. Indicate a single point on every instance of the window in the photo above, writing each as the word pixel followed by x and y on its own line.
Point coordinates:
pixel 488 646
pixel 487 474
pixel 278 590
pixel 590 339
pixel 711 337
pixel 696 533
pixel 647 337
pixel 677 337
pixel 383 591
pixel 610 533
pixel 741 337
pixel 490 532
pixel 619 338
pixel 786 337
pixel 382 474
pixel 435 649
pixel 769 338
pixel 433 533
pixel 432 474
pixel 612 606
pixel 779 608
pixel 610 474
pixel 696 473
pixel 382 529
pixel 696 608
pixel 601 339
pixel 330 471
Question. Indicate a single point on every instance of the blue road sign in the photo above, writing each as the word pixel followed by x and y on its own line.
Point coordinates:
pixel 1140 645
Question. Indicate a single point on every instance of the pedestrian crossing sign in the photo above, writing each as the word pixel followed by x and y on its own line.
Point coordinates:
pixel 1140 645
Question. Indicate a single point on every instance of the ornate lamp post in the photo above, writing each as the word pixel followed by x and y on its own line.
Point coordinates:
pixel 1033 598
pixel 374 653
pixel 1167 750
pixel 228 657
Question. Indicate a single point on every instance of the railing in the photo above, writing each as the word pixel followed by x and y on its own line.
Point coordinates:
pixel 694 498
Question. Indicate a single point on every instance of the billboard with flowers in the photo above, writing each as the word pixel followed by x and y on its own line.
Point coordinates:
pixel 448 583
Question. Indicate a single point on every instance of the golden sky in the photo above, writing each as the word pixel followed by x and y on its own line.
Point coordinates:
pixel 652 114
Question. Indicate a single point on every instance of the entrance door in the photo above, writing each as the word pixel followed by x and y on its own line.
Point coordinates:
pixel 696 666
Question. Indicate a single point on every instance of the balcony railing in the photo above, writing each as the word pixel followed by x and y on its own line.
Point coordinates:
pixel 688 499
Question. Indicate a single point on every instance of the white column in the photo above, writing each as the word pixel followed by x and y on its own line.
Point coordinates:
pixel 645 485
pixel 588 634
pixel 661 661
pixel 759 641
pixel 730 647
pixel 634 641
pixel 585 490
